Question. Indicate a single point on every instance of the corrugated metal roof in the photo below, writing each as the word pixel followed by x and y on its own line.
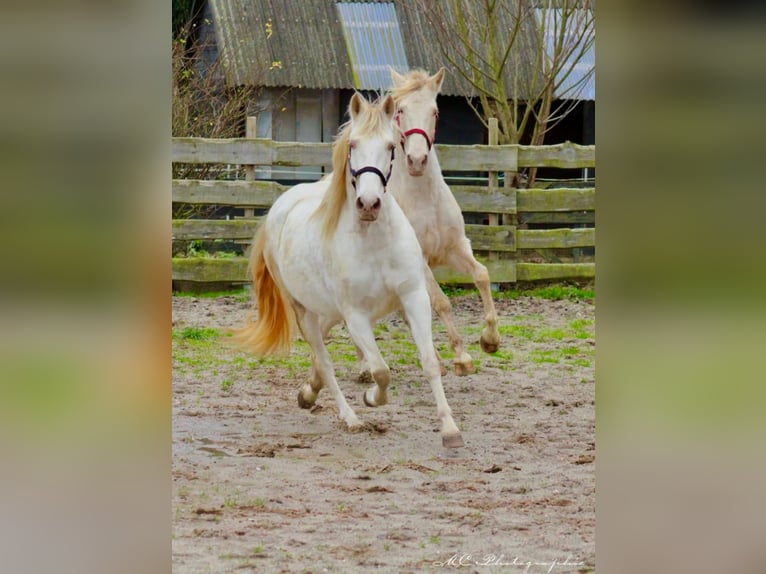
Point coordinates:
pixel 577 85
pixel 374 43
pixel 276 43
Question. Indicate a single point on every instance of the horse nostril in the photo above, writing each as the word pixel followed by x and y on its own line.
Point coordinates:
pixel 376 205
pixel 409 160
pixel 359 204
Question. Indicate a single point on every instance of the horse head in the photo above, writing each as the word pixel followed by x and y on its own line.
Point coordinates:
pixel 371 143
pixel 417 115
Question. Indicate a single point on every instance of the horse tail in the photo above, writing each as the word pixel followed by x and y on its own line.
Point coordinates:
pixel 272 331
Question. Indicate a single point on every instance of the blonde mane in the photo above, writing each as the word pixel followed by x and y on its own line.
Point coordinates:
pixel 370 121
pixel 414 80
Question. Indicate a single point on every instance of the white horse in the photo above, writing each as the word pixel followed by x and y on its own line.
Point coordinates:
pixel 428 203
pixel 341 249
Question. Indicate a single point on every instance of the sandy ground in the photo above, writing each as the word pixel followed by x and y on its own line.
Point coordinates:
pixel 260 485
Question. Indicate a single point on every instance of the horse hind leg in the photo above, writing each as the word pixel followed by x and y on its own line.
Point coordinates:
pixel 365 376
pixel 322 373
pixel 441 304
pixel 462 260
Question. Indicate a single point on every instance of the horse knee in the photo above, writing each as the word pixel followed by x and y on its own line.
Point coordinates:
pixel 481 275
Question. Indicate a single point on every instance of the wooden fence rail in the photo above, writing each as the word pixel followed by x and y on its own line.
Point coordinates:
pixel 570 210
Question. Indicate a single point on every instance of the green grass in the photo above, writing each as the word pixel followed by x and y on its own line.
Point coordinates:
pixel 242 295
pixel 558 292
pixel 555 292
pixel 196 333
pixel 544 356
pixel 522 330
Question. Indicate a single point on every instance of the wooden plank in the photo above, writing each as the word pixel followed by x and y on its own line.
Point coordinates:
pixel 233 150
pixel 476 199
pixel 241 193
pixel 545 271
pixel 185 229
pixel 477 157
pixel 483 237
pixel 565 155
pixel 298 154
pixel 491 237
pixel 205 269
pixel 552 238
pixel 556 199
pixel 566 218
pixel 245 151
pixel 208 269
pixel 471 198
pixel 500 271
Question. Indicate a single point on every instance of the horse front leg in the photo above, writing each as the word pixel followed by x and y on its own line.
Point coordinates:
pixel 418 313
pixel 441 304
pixel 462 260
pixel 360 328
pixel 323 374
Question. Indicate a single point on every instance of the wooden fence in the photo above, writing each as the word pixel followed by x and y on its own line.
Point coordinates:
pixel 532 234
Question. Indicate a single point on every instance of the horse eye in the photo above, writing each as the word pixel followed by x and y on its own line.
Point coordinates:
pixel 352 144
pixel 391 147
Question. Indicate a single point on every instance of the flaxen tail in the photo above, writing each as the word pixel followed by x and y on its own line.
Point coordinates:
pixel 271 332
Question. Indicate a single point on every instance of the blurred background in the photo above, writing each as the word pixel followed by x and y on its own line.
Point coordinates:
pixel 85 123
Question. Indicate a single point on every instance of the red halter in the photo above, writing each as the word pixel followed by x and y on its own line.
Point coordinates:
pixel 405 135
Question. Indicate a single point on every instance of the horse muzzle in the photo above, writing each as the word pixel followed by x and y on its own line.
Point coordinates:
pixel 416 164
pixel 368 209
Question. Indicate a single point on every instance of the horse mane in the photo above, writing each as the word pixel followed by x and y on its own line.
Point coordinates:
pixel 334 199
pixel 414 80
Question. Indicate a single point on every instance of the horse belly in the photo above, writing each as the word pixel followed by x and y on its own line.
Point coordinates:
pixel 301 266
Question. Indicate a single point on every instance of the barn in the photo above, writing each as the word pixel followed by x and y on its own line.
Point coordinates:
pixel 308 57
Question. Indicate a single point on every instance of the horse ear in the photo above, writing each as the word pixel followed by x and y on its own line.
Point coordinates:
pixel 396 77
pixel 389 107
pixel 437 79
pixel 357 105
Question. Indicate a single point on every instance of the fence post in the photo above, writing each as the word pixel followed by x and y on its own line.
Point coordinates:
pixel 493 186
pixel 493 137
pixel 250 133
pixel 509 187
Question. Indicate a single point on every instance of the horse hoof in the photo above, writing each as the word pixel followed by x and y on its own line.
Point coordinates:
pixel 452 441
pixel 366 402
pixel 354 426
pixel 443 369
pixel 365 378
pixel 489 344
pixel 303 403
pixel 463 369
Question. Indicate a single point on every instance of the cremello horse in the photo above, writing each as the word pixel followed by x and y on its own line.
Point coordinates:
pixel 341 249
pixel 428 203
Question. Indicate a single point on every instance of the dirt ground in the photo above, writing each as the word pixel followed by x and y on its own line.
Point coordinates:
pixel 260 485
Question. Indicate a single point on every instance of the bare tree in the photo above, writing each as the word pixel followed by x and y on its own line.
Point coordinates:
pixel 517 57
pixel 203 106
